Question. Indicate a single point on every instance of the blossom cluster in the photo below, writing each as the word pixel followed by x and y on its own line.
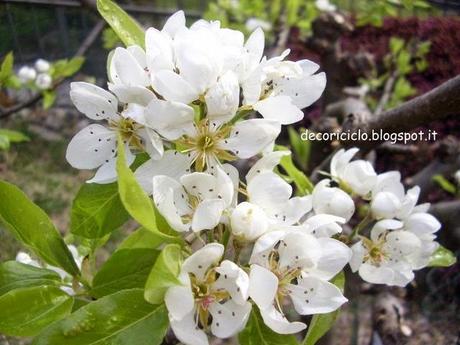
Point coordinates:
pixel 37 75
pixel 199 97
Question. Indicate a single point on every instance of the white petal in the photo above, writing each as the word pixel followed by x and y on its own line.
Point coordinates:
pixel 263 246
pixel 360 176
pixel 139 55
pixel 303 91
pixel 385 205
pixel 250 137
pixel 229 318
pixel 421 224
pixel 267 163
pixel 91 147
pixel 234 280
pixel 409 202
pixel 263 286
pixel 186 331
pixel 294 209
pixel 402 243
pixel 199 262
pixel 158 47
pixel 172 164
pixel 278 322
pixel 255 46
pixel 173 87
pixel 248 222
pixel 223 97
pixel 169 118
pixel 332 200
pixel 382 226
pixel 340 160
pixel 315 296
pixel 207 214
pixel 200 184
pixel 376 275
pixel 169 198
pixel 153 143
pixel 175 22
pixel 279 108
pixel 389 182
pixel 359 251
pixel 93 101
pixel 268 190
pixel 107 172
pixel 301 250
pixel 179 299
pixel 315 223
pixel 128 69
pixel 334 256
pixel 132 94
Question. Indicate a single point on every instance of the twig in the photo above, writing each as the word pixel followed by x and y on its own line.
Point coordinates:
pixel 89 40
pixel 436 104
pixel 387 90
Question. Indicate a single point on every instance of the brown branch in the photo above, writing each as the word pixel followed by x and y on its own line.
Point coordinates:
pixel 436 104
pixel 86 44
pixel 387 90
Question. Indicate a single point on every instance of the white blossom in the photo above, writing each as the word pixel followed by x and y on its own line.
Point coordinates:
pixel 325 5
pixel 358 176
pixel 27 74
pixel 254 23
pixel 197 202
pixel 42 65
pixel 43 81
pixel 298 266
pixel 210 288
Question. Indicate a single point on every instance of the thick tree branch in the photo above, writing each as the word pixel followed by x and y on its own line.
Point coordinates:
pixel 434 105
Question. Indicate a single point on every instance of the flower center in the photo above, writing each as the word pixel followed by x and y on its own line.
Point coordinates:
pixel 375 252
pixel 205 143
pixel 128 130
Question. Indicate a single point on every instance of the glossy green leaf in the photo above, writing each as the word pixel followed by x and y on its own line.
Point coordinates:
pixel 301 181
pixel 118 319
pixel 442 257
pixel 164 273
pixel 15 275
pixel 128 30
pixel 125 269
pixel 4 142
pixel 135 200
pixel 320 324
pixel 141 238
pixel 49 97
pixel 445 184
pixel 97 210
pixel 257 333
pixel 33 228
pixel 26 311
pixel 6 68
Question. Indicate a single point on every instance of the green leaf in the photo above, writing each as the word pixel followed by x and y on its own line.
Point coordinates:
pixel 33 228
pixel 4 142
pixel 164 274
pixel 15 275
pixel 442 257
pixel 256 333
pixel 301 148
pixel 97 210
pixel 49 97
pixel 301 181
pixel 125 269
pixel 72 66
pixel 121 318
pixel 6 68
pixel 445 184
pixel 127 29
pixel 321 323
pixel 396 45
pixel 26 311
pixel 13 136
pixel 141 238
pixel 135 200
